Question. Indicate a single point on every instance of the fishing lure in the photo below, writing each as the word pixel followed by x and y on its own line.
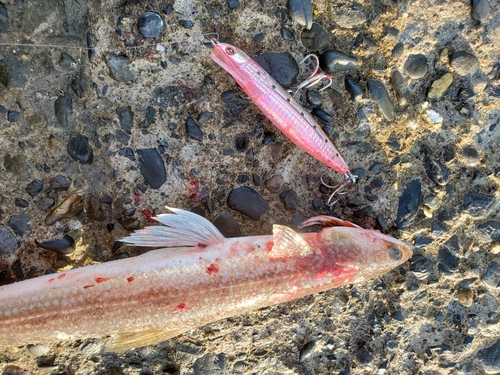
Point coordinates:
pixel 279 106
pixel 197 277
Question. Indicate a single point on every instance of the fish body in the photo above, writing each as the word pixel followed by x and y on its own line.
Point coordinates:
pixel 196 278
pixel 279 106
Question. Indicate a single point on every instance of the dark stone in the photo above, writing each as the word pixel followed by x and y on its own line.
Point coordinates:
pixel 66 61
pixel 314 97
pixel 20 202
pixel 150 24
pixel 322 115
pixel 235 102
pixel 287 34
pixel 489 232
pixel 64 245
pixel 376 167
pixel 152 167
pixel 289 199
pixel 80 149
pixel 436 171
pixel 316 38
pixel 381 97
pixel 269 139
pixel 279 65
pixel 360 146
pixel 332 62
pixel 45 203
pixel 489 358
pixel 14 72
pixel 187 24
pixel 8 242
pixel 13 116
pixel 20 224
pixel 477 204
pixel 4 19
pixel 382 222
pixel 58 183
pixel 193 130
pixel 421 266
pixel 150 118
pixel 62 106
pixel 17 165
pixel 301 11
pixel 233 4
pixel 363 356
pixel 491 276
pixel 397 51
pixel 213 364
pixel 204 117
pixel 352 86
pixel 364 212
pixel 274 183
pixel 416 66
pixel 447 258
pixel 119 70
pixel 227 225
pixel 259 37
pixel 464 63
pixel 409 204
pixel 248 202
pixel 126 118
pixel 241 142
pixel 34 187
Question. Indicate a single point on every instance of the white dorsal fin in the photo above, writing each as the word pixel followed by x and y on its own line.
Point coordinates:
pixel 288 243
pixel 182 229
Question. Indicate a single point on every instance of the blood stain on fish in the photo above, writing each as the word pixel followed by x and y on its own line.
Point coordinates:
pixel 61 275
pixel 88 286
pixel 212 269
pixel 182 307
pixel 130 279
pixel 99 280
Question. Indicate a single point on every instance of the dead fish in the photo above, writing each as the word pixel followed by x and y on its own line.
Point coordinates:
pixel 197 277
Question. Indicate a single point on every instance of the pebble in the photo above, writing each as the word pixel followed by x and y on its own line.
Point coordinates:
pixel 126 118
pixel 464 63
pixel 34 187
pixel 465 296
pixel 4 19
pixel 489 358
pixel 287 34
pixel 17 165
pixel 259 37
pixel 13 116
pixel 58 183
pixel 416 66
pixel 436 170
pixel 66 61
pixel 213 364
pixel 363 356
pixel 332 61
pixel 399 86
pixel 289 199
pixel 45 203
pixel 489 231
pixel 447 260
pixel 233 4
pixel 274 183
pixel 322 115
pixel 477 204
pixel 360 146
pixel 227 225
pixel 316 38
pixel 119 70
pixel 62 106
pixel 409 204
pixel 349 15
pixel 397 51
pixel 21 224
pixel 204 117
pixel 301 11
pixel 381 97
pixel 241 143
pixel 38 349
pixel 281 66
pixel 434 116
pixel 152 167
pixel 8 242
pixel 193 130
pixel 440 86
pixel 352 86
pixel 64 245
pixel 20 202
pixel 314 97
pixel 248 202
pixel 480 10
pixel 235 102
pixel 307 350
pixel 491 277
pixel 421 266
pixel 187 24
pixel 71 206
pixel 470 156
pixel 150 24
pixel 80 149
pixel 150 118
pixel 14 71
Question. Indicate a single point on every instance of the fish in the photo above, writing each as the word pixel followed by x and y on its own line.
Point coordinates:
pixel 279 106
pixel 195 277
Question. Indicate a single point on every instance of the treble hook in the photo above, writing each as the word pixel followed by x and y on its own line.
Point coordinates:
pixel 349 178
pixel 202 38
pixel 315 77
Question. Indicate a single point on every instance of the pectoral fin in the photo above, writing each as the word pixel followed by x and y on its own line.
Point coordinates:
pixel 130 340
pixel 327 220
pixel 288 243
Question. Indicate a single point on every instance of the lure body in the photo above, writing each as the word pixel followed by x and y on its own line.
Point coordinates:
pixel 198 277
pixel 279 106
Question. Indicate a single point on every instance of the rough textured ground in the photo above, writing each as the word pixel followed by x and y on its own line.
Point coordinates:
pixel 432 182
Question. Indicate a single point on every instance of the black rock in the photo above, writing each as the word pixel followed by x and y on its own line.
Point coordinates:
pixel 233 4
pixel 399 86
pixel 204 117
pixel 493 92
pixel 314 97
pixel 150 117
pixel 58 183
pixel 20 202
pixel 241 142
pixel 34 187
pixel 80 149
pixel 421 266
pixel 66 61
pixel 152 167
pixel 235 102
pixel 45 203
pixel 480 10
pixel 248 202
pixel 477 204
pixel 491 276
pixel 62 106
pixel 363 212
pixel 259 37
pixel 8 242
pixel 150 24
pixel 464 63
pixel 307 350
pixel 21 224
pixel 489 358
pixel 14 71
pixel 489 231
pixel 126 118
pixel 352 86
pixel 363 356
pixel 381 97
pixel 227 225
pixel 416 66
pixel 289 199
pixel 436 170
pixel 213 364
pixel 13 116
pixel 447 258
pixel 187 24
pixel 397 51
pixel 193 130
pixel 287 34
pixel 64 245
pixel 409 204
pixel 322 115
pixel 301 11
pixel 360 146
pixel 333 61
pixel 119 70
pixel 4 19
pixel 316 38
pixel 281 66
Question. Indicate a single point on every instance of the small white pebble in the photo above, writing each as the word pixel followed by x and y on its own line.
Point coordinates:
pixel 160 48
pixel 495 248
pixel 412 123
pixel 434 116
pixel 38 349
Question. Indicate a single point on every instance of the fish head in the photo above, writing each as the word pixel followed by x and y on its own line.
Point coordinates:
pixel 229 58
pixel 361 254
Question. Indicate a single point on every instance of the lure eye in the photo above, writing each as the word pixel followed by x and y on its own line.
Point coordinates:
pixel 395 253
pixel 230 51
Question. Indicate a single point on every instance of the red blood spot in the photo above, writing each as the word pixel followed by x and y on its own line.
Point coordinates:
pixel 202 245
pixel 99 280
pixel 130 279
pixel 194 191
pixel 182 307
pixel 149 215
pixel 137 198
pixel 88 286
pixel 251 249
pixel 269 245
pixel 61 275
pixel 213 268
pixel 50 280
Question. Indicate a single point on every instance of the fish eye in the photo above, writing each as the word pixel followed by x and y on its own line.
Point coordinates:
pixel 229 50
pixel 395 253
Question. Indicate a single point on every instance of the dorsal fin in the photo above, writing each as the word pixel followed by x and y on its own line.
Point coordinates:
pixel 181 229
pixel 288 244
